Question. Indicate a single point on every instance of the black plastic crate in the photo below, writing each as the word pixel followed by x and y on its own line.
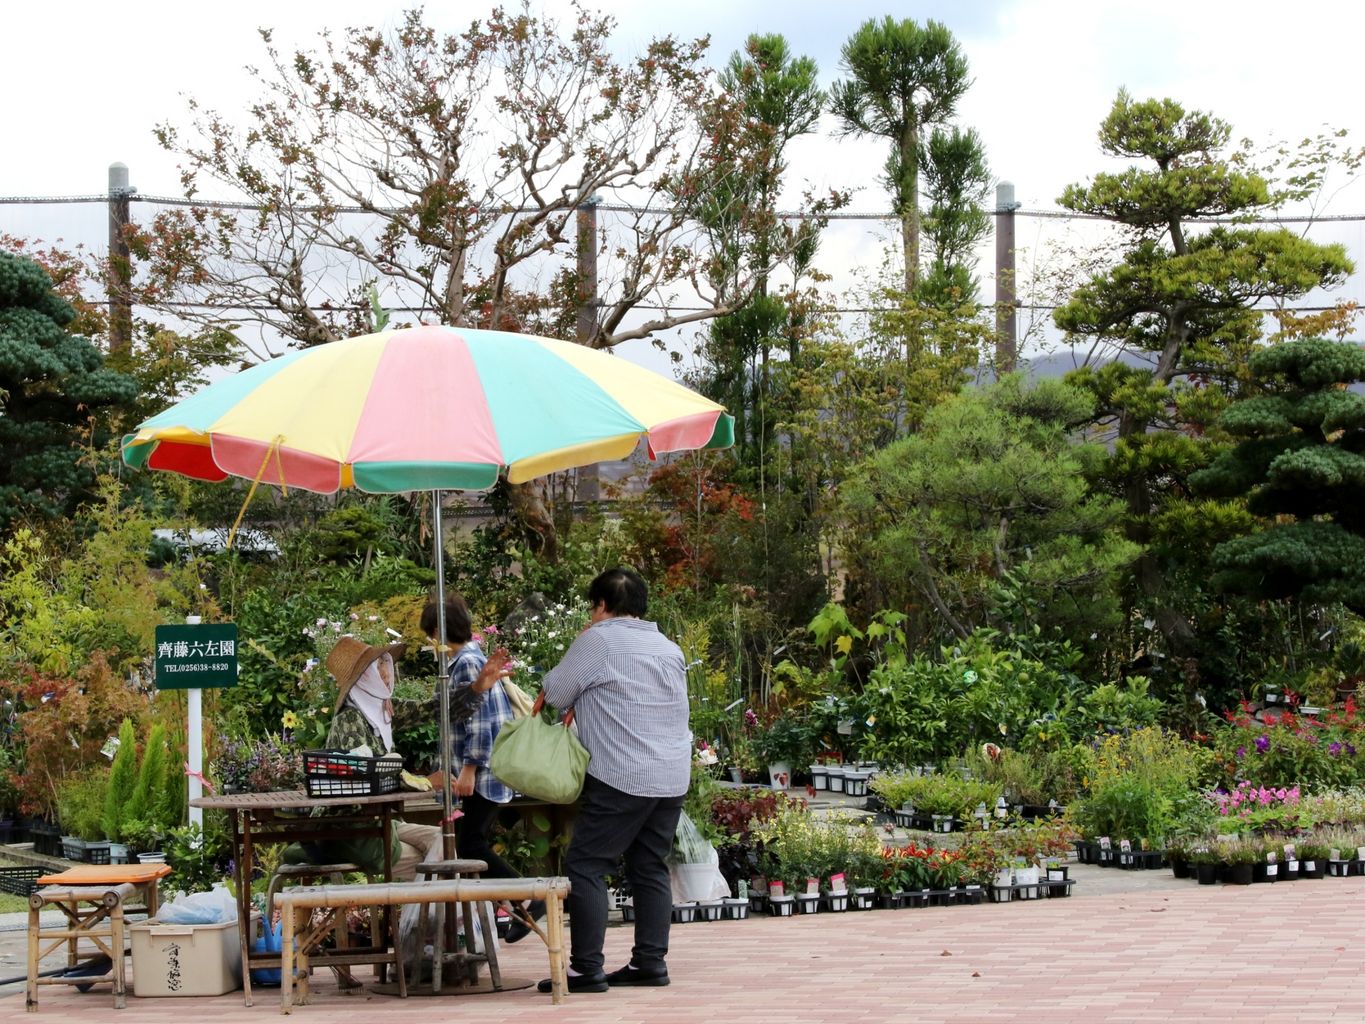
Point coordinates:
pixel 97 853
pixel 20 881
pixel 327 773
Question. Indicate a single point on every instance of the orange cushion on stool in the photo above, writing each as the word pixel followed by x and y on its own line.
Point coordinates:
pixel 107 874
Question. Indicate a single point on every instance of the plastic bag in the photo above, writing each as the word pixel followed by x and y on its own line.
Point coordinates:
pixel 695 873
pixel 214 907
pixel 689 845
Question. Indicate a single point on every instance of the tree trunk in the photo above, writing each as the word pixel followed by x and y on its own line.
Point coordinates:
pixel 909 191
pixel 529 505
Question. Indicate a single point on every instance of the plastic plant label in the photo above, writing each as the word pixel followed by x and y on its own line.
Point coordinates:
pixel 742 889
pixel 776 889
pixel 1360 853
pixel 1272 870
pixel 1310 865
pixel 1126 845
pixel 1104 842
pixel 812 886
pixel 1270 857
pixel 1290 852
pixel 837 883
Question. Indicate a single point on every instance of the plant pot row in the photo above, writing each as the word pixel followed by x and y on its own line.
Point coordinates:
pixel 841 779
pixel 102 851
pixel 1246 874
pixel 1091 852
pixel 1032 890
pixel 927 822
pixel 699 910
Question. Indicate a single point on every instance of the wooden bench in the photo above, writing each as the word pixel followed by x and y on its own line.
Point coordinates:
pixel 332 898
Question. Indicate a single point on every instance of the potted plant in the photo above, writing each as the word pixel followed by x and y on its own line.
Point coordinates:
pixel 1241 856
pixel 1312 858
pixel 781 745
pixel 1205 862
pixel 80 802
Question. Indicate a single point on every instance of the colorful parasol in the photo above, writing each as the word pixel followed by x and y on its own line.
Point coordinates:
pixel 426 408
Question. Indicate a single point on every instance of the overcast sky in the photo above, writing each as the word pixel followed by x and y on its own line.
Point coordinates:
pixel 84 83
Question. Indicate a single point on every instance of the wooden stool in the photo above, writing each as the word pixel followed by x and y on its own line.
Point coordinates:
pixel 94 900
pixel 307 874
pixel 465 960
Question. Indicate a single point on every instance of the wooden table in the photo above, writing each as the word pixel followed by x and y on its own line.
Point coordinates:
pixel 261 818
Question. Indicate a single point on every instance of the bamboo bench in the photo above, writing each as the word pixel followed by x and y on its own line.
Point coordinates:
pixel 332 898
pixel 94 901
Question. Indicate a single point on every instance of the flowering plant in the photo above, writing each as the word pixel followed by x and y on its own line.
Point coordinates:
pixel 914 867
pixel 1257 807
pixel 259 765
pixel 540 640
pixel 1287 748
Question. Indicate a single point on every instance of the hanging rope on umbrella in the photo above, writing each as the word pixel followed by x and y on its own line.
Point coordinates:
pixel 274 449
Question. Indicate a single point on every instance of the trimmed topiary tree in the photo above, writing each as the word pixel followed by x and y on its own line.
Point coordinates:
pixel 1301 465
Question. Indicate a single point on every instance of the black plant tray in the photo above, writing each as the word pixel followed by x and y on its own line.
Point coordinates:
pixel 20 881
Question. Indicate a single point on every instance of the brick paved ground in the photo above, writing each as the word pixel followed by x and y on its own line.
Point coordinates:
pixel 1159 952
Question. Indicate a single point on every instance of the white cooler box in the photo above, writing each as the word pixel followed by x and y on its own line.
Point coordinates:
pixel 186 959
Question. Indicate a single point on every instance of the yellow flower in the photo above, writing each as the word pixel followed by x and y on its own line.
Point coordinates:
pixel 290 720
pixel 844 644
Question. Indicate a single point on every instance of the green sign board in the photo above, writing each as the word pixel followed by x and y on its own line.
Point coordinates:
pixel 196 657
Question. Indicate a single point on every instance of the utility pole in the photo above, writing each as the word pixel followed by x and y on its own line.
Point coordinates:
pixel 1006 302
pixel 585 296
pixel 120 280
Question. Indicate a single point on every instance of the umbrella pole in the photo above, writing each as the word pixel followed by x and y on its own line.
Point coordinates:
pixel 442 680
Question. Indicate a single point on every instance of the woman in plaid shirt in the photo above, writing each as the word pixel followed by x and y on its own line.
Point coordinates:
pixel 482 794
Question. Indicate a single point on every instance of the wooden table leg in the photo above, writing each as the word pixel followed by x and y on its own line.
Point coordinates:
pixel 31 996
pixel 286 958
pixel 242 855
pixel 116 954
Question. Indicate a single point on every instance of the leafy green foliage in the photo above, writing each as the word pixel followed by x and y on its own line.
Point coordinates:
pixel 991 484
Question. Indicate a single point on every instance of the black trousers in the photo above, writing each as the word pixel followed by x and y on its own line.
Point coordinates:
pixel 471 835
pixel 611 823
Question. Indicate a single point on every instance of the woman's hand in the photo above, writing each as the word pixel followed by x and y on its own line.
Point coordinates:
pixel 498 666
pixel 464 782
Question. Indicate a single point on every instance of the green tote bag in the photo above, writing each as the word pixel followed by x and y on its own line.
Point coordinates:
pixel 539 758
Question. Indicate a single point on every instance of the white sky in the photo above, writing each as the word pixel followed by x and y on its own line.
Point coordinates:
pixel 84 82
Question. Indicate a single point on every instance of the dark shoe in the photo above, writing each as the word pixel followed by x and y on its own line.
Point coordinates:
pixel 578 983
pixel 518 929
pixel 632 975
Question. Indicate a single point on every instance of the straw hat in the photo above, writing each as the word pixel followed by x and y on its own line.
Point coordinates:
pixel 349 659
